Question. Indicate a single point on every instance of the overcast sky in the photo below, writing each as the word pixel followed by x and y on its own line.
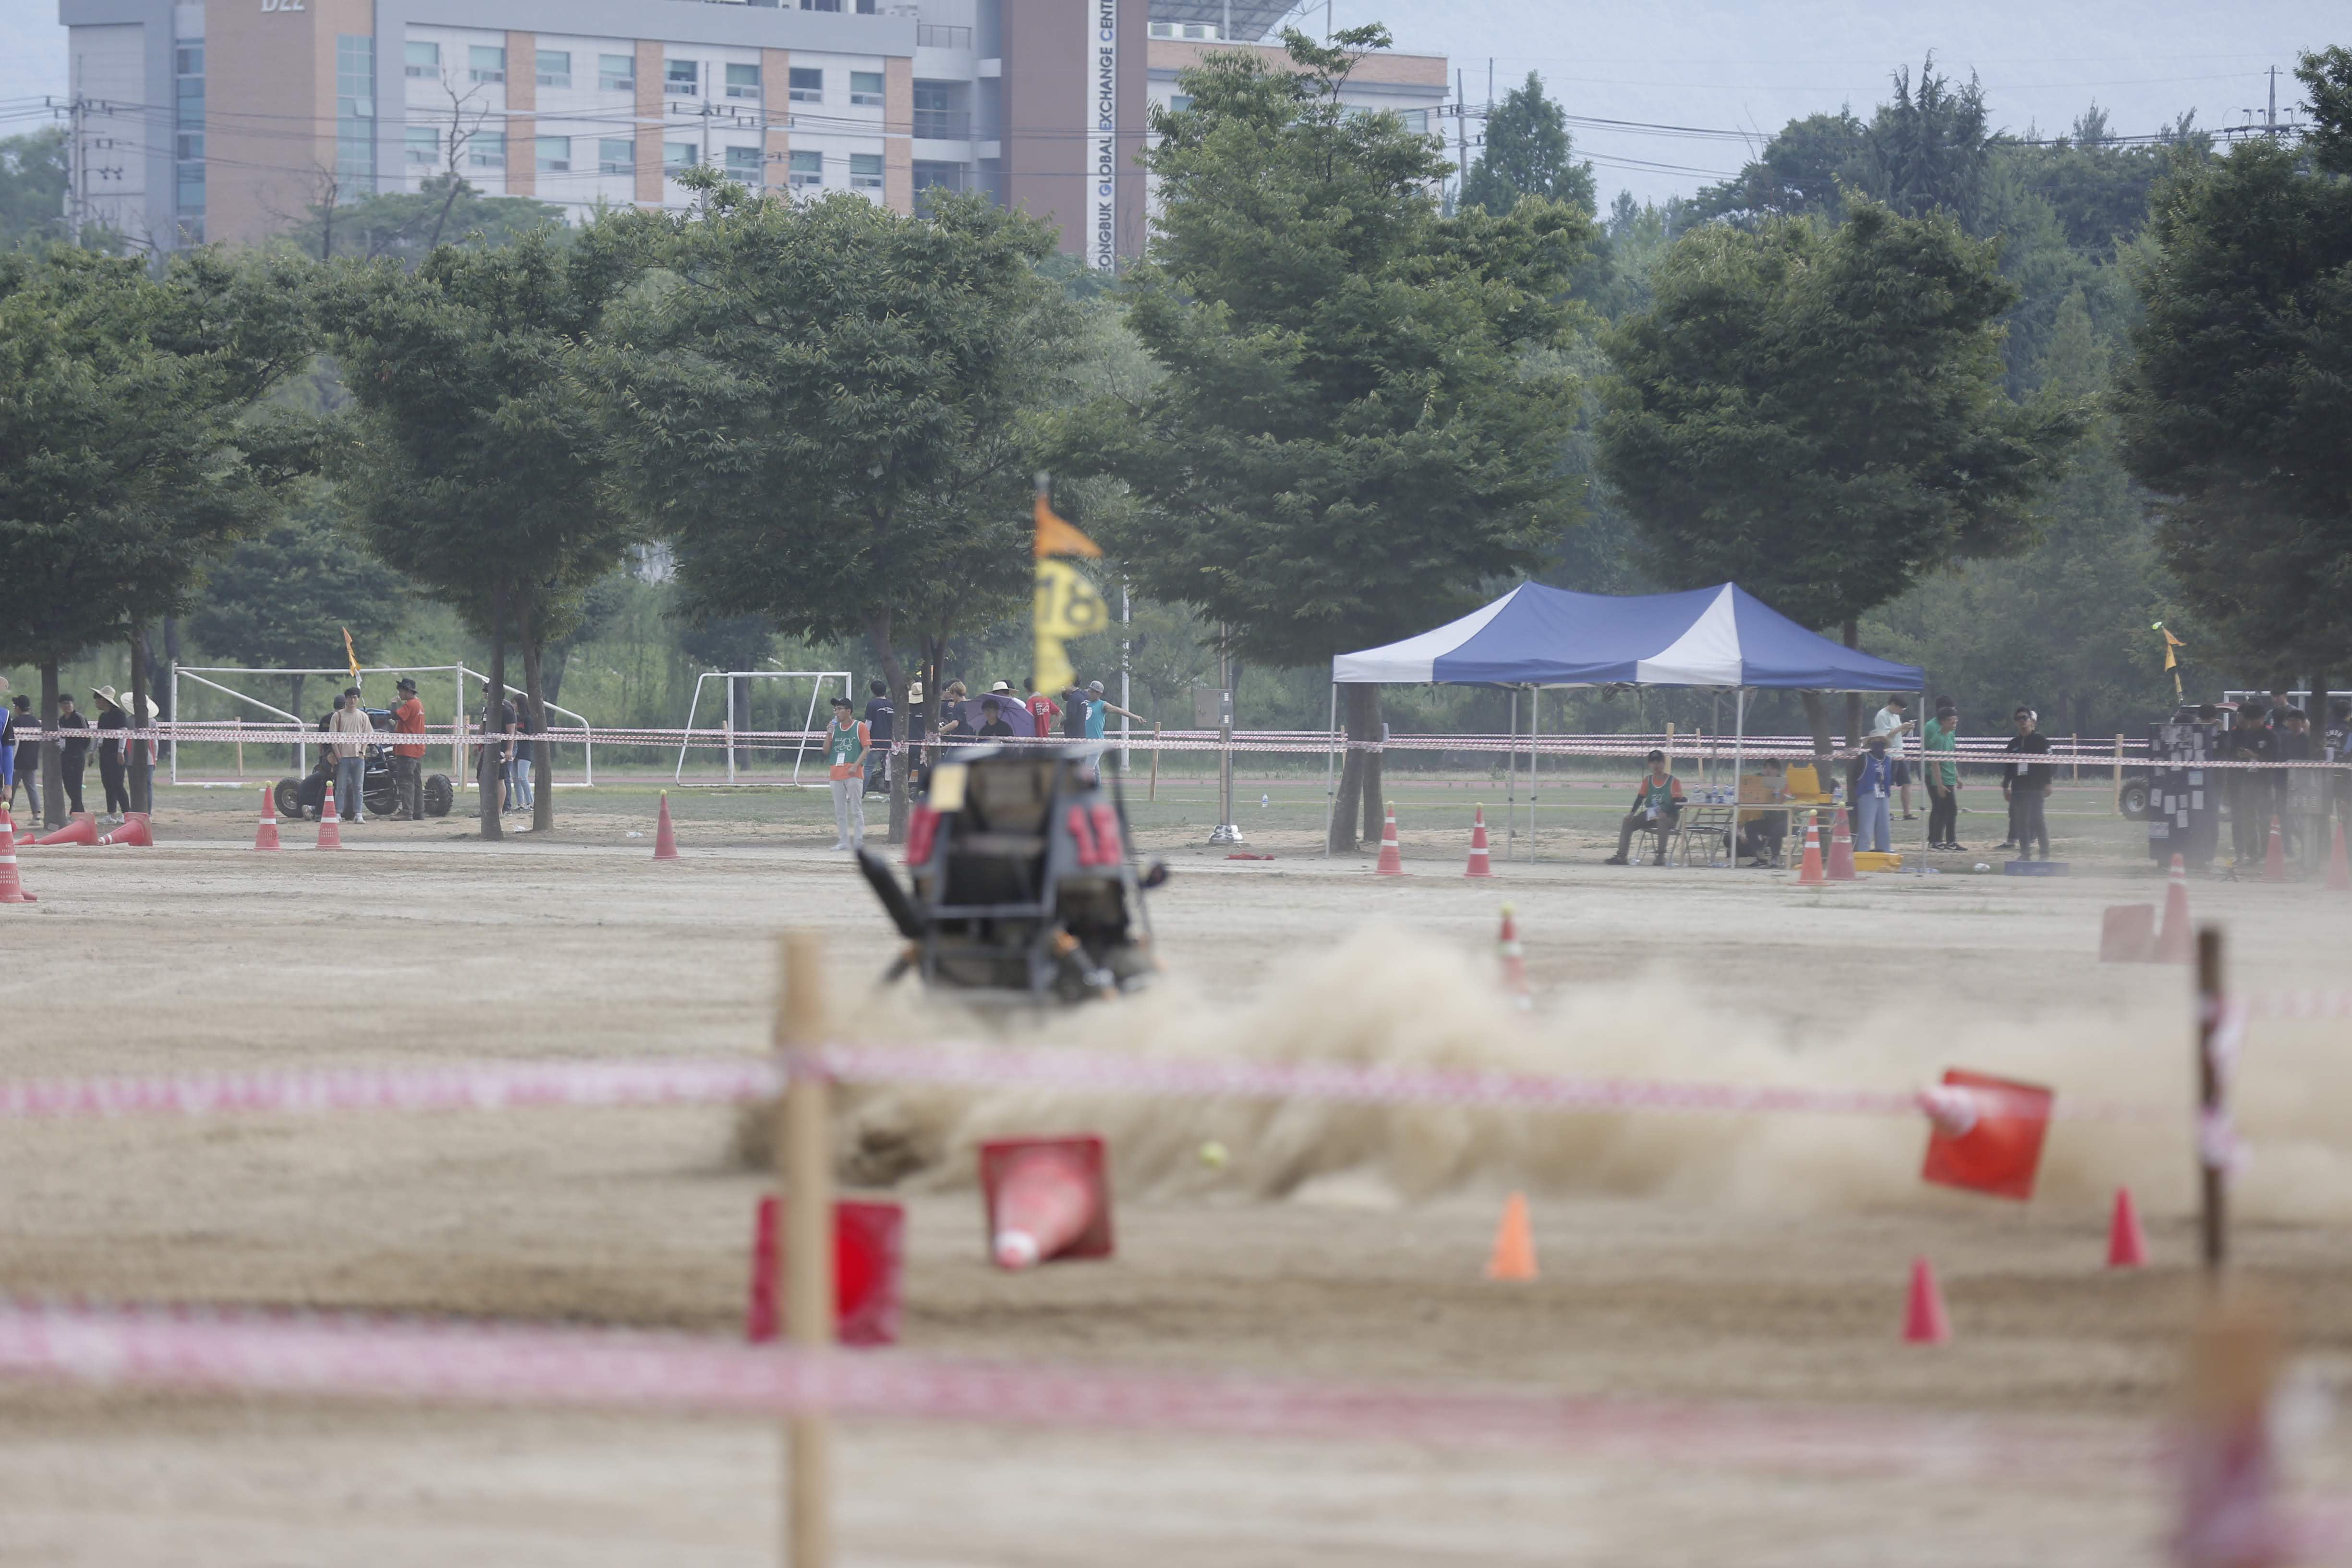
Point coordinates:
pixel 1743 67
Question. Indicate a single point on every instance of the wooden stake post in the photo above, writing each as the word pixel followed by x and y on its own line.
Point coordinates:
pixel 2212 1104
pixel 805 1166
pixel 1155 762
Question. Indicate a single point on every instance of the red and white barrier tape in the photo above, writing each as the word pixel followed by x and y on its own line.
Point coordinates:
pixel 490 1086
pixel 300 1354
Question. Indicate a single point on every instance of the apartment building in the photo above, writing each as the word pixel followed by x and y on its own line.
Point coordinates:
pixel 228 120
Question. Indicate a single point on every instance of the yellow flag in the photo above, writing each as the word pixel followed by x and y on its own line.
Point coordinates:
pixel 1066 606
pixel 351 654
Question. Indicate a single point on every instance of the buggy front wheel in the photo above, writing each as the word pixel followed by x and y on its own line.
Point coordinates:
pixel 438 795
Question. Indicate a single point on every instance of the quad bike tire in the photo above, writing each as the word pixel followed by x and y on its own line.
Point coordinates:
pixel 438 795
pixel 287 796
pixel 2133 800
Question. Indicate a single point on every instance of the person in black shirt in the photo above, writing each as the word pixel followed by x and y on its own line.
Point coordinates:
pixel 2027 786
pixel 112 773
pixel 992 723
pixel 2249 790
pixel 881 724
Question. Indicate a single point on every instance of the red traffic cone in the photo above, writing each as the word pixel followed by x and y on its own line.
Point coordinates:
pixel 665 838
pixel 1985 1134
pixel 2339 874
pixel 1842 850
pixel 265 836
pixel 82 830
pixel 331 826
pixel 1925 1321
pixel 134 832
pixel 1045 1199
pixel 867 1250
pixel 1392 861
pixel 12 886
pixel 1478 865
pixel 2176 943
pixel 2126 1248
pixel 1808 870
pixel 1515 962
pixel 1514 1256
pixel 2274 857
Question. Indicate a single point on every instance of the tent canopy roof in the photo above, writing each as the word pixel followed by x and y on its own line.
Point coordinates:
pixel 1535 635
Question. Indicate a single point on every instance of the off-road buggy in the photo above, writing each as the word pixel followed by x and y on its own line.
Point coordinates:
pixel 300 799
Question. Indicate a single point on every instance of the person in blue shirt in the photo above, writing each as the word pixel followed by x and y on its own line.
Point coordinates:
pixel 1083 717
pixel 1874 782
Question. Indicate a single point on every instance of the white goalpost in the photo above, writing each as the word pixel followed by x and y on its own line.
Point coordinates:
pixel 818 679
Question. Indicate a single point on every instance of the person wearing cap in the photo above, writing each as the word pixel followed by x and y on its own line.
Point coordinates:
pixel 2026 784
pixel 1657 802
pixel 1092 708
pixel 25 755
pixel 1941 775
pixel 408 756
pixel 111 775
pixel 845 742
pixel 349 725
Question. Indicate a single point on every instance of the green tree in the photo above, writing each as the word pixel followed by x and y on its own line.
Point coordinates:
pixel 474 463
pixel 826 408
pixel 34 175
pixel 1805 171
pixel 130 451
pixel 2236 407
pixel 1528 153
pixel 407 225
pixel 1353 436
pixel 1816 414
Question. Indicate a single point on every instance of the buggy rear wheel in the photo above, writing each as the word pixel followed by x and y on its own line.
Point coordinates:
pixel 288 797
pixel 438 795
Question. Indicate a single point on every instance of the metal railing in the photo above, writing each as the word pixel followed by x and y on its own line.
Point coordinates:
pixel 931 36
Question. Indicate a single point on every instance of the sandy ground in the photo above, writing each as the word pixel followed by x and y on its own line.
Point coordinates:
pixel 1770 1272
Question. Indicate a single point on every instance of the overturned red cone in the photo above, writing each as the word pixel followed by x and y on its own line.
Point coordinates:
pixel 133 833
pixel 1045 1199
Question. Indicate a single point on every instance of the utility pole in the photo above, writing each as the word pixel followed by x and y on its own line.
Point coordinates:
pixel 2270 117
pixel 1461 138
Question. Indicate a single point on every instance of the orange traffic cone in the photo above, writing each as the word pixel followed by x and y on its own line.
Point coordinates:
pixel 664 837
pixel 868 1248
pixel 1842 850
pixel 1808 870
pixel 331 826
pixel 1514 1243
pixel 1045 1199
pixel 2339 875
pixel 1392 861
pixel 2176 943
pixel 133 833
pixel 12 886
pixel 2126 1248
pixel 82 830
pixel 265 836
pixel 1515 962
pixel 2274 857
pixel 1924 1318
pixel 1478 865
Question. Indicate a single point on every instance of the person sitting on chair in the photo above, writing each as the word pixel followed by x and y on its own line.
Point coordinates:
pixel 1762 833
pixel 1657 805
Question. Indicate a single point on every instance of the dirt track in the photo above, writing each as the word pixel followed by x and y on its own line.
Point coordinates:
pixel 205 956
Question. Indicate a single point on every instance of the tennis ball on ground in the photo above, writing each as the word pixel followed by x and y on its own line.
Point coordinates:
pixel 1213 1155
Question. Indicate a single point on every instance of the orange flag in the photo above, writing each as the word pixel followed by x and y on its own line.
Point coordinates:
pixel 1058 537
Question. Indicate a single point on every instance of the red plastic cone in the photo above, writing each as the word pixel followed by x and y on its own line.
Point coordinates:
pixel 1478 864
pixel 2126 1248
pixel 2176 943
pixel 665 838
pixel 1842 850
pixel 331 827
pixel 1985 1134
pixel 12 886
pixel 1514 1256
pixel 82 830
pixel 1809 871
pixel 2339 874
pixel 1045 1199
pixel 134 832
pixel 265 836
pixel 1515 962
pixel 1392 862
pixel 2274 857
pixel 867 1251
pixel 2128 933
pixel 1924 1320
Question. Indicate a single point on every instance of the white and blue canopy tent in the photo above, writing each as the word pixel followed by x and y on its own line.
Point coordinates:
pixel 1723 637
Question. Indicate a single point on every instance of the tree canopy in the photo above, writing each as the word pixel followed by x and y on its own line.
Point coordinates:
pixel 1527 152
pixel 443 209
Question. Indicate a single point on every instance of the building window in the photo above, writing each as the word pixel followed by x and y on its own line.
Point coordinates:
pixel 422 145
pixel 683 79
pixel 1195 32
pixel 807 85
pixel 677 156
pixel 616 73
pixel 188 137
pixel 487 150
pixel 554 154
pixel 931 177
pixel 822 5
pixel 1179 102
pixel 931 36
pixel 866 171
pixel 744 81
pixel 865 89
pixel 354 116
pixel 938 113
pixel 745 164
pixel 486 62
pixel 554 68
pixel 425 60
pixel 808 169
pixel 616 155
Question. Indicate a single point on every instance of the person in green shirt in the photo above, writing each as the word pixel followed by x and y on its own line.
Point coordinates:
pixel 1941 734
pixel 1657 799
pixel 845 740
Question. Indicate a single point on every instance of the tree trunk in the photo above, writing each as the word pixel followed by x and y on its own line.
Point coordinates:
pixel 53 779
pixel 893 676
pixel 1817 719
pixel 139 769
pixel 542 796
pixel 294 706
pixel 1360 775
pixel 485 770
pixel 1853 698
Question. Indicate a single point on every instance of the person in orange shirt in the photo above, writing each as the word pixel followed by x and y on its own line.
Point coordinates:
pixel 844 748
pixel 408 756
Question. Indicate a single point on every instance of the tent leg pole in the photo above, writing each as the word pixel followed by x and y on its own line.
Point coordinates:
pixel 1511 785
pixel 1535 734
pixel 1330 782
pixel 1738 762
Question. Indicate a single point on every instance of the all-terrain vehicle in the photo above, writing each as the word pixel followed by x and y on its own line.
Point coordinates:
pixel 300 799
pixel 1021 885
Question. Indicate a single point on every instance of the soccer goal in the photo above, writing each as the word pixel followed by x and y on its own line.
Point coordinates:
pixel 746 746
